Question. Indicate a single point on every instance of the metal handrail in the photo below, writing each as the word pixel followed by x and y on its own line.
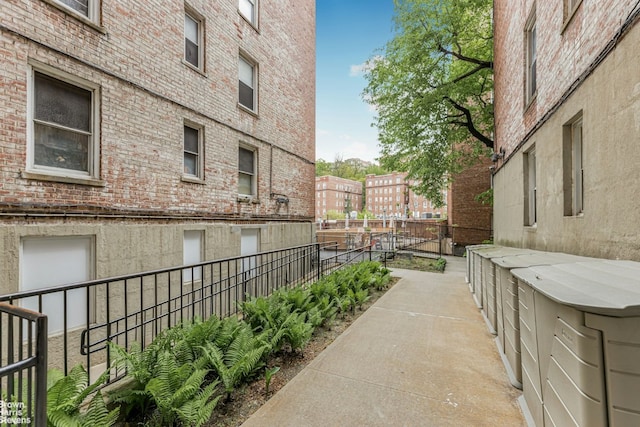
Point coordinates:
pixel 34 362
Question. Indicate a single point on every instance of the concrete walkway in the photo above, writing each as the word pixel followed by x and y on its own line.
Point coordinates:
pixel 420 356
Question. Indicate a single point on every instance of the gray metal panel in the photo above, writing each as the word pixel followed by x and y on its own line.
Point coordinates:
pixel 621 338
pixel 574 392
pixel 488 285
pixel 531 387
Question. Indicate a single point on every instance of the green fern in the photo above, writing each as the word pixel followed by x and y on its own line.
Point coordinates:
pixel 65 398
pixel 268 374
pixel 298 332
pixel 139 364
pixel 300 298
pixel 179 393
pixel 242 358
pixel 361 296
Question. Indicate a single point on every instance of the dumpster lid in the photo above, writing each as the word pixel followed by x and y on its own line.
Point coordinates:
pixel 501 251
pixel 537 258
pixel 610 288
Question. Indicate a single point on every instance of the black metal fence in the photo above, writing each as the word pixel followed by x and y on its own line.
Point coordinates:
pixel 85 317
pixel 426 236
pixel 415 236
pixel 23 371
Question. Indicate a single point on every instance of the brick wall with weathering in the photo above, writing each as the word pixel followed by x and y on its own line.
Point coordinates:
pixel 566 45
pixel 471 220
pixel 146 92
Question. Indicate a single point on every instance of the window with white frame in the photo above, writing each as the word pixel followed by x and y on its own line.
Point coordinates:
pixel 249 245
pixel 530 184
pixel 86 8
pixel 247 84
pixel 193 159
pixel 55 261
pixel 63 130
pixel 193 39
pixel 531 57
pixel 573 167
pixel 248 9
pixel 192 254
pixel 247 171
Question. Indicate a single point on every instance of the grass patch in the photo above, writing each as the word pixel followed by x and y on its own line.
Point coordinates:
pixel 410 262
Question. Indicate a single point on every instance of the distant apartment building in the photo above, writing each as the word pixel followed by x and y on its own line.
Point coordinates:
pixel 391 196
pixel 567 126
pixel 141 135
pixel 338 195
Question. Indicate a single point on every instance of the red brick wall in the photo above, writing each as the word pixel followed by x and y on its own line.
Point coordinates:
pixel 472 220
pixel 147 92
pixel 564 51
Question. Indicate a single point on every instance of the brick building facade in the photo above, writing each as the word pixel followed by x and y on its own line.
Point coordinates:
pixel 338 195
pixel 391 195
pixel 141 135
pixel 567 108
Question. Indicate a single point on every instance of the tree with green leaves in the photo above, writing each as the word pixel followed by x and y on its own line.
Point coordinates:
pixel 431 86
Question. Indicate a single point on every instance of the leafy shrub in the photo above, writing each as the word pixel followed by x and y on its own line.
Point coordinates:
pixel 239 360
pixel 180 394
pixel 179 348
pixel 66 395
pixel 441 264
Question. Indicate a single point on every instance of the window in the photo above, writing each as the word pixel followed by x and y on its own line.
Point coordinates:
pixel 248 10
pixel 531 58
pixel 87 8
pixel 572 165
pixel 247 171
pixel 193 40
pixel 54 261
pixel 570 7
pixel 193 151
pixel 530 212
pixel 247 79
pixel 192 254
pixel 63 136
pixel 249 245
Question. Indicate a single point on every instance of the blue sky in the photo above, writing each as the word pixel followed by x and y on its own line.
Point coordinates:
pixel 348 32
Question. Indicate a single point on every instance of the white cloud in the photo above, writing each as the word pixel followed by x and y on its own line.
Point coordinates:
pixel 360 69
pixel 357 70
pixel 346 146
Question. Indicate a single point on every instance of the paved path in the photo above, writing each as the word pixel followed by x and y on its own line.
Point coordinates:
pixel 420 356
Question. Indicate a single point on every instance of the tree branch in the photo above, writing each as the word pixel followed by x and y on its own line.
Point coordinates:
pixel 469 123
pixel 467 74
pixel 484 64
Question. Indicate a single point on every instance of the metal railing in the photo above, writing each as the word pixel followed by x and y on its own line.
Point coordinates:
pixel 415 236
pixel 23 367
pixel 85 317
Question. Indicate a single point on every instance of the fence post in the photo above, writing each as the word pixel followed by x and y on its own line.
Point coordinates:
pixel 41 372
pixel 319 272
